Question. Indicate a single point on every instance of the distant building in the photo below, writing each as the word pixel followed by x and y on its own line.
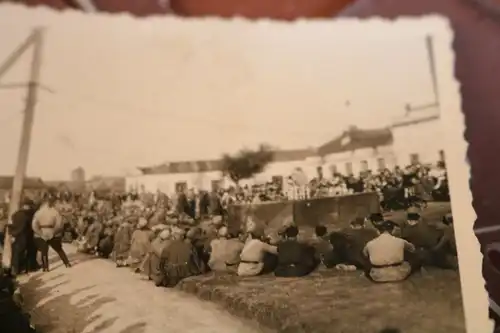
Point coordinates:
pixel 78 175
pixel 353 151
pixel 418 137
pixel 357 150
pixel 30 185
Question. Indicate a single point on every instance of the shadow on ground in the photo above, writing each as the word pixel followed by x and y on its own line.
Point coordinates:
pixel 54 312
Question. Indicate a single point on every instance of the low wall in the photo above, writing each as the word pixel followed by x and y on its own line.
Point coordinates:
pixel 333 212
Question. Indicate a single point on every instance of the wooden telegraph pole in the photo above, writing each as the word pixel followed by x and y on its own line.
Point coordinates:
pixel 35 40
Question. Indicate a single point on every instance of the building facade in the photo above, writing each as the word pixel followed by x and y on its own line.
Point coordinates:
pixel 78 175
pixel 418 138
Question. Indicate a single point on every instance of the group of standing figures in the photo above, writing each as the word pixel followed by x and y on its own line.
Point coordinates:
pixel 35 228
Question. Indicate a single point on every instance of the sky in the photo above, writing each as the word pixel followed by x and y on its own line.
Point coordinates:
pixel 119 92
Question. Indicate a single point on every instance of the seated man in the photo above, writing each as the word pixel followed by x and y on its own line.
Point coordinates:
pixel 323 249
pixel 386 256
pixel 295 259
pixel 225 252
pixel 253 254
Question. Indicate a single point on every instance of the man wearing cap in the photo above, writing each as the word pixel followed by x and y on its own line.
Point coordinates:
pixel 253 254
pixel 424 237
pixel 152 262
pixel 140 243
pixel 200 245
pixel 225 252
pixel 446 250
pixel 93 234
pixel 179 260
pixel 386 255
pixel 20 230
pixel 48 227
pixel 358 236
pixel 323 249
pixel 123 238
pixel 294 259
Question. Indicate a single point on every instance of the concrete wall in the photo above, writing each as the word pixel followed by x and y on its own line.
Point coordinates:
pixel 334 212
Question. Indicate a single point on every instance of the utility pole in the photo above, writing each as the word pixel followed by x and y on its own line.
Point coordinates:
pixel 429 45
pixel 36 40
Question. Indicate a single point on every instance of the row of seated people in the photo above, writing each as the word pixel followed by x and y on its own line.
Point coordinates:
pixel 383 250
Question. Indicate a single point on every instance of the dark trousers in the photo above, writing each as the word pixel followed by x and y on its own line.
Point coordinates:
pixel 18 254
pixel 54 243
pixel 31 251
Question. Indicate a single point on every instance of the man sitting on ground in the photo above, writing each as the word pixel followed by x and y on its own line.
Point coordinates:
pixel 386 256
pixel 295 259
pixel 225 252
pixel 253 254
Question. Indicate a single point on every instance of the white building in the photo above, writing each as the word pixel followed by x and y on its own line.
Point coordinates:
pixel 418 137
pixel 358 150
pixel 414 138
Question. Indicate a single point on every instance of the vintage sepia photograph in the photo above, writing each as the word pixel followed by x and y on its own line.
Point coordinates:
pixel 226 175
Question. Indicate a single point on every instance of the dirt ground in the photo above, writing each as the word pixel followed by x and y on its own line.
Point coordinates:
pixel 96 297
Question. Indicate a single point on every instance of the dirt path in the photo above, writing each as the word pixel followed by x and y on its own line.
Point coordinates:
pixel 95 296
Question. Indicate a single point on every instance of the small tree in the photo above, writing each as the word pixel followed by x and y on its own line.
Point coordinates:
pixel 246 163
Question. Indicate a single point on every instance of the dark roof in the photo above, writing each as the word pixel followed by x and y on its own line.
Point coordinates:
pixel 355 138
pixel 29 183
pixel 293 155
pixel 358 139
pixel 183 167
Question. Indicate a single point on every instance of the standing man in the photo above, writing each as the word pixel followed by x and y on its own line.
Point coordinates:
pixel 48 229
pixel 22 236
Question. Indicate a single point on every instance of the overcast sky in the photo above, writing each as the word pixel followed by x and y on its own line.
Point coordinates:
pixel 132 93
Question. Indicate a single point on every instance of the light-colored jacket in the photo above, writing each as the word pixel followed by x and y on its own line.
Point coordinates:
pixel 47 223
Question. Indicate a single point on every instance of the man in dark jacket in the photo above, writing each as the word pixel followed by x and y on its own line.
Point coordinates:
pixel 22 235
pixel 295 259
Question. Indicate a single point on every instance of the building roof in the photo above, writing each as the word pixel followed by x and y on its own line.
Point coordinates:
pixel 29 183
pixel 352 139
pixel 216 165
pixel 183 167
pixel 293 154
pixel 355 138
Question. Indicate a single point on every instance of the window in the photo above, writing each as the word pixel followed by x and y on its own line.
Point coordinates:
pixel 216 184
pixel 333 169
pixel 319 172
pixel 364 166
pixel 414 159
pixel 381 163
pixel 180 187
pixel 441 155
pixel 348 168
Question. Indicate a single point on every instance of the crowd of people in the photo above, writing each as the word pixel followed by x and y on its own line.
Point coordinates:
pixel 168 239
pixel 398 188
pixel 171 239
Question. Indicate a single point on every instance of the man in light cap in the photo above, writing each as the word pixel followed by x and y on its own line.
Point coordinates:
pixel 179 260
pixel 386 255
pixel 152 262
pixel 225 252
pixel 139 244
